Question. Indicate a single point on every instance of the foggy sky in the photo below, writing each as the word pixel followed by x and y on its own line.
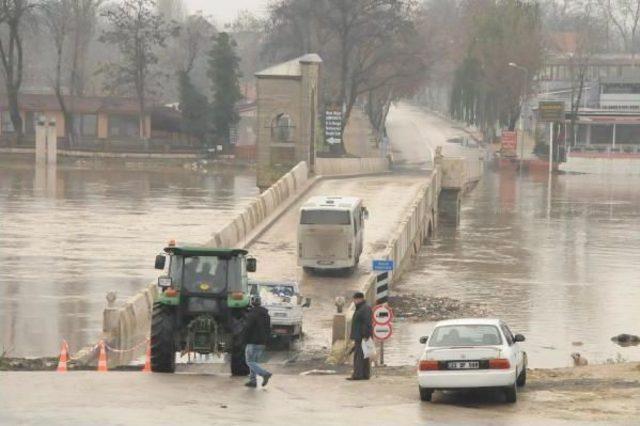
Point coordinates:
pixel 224 11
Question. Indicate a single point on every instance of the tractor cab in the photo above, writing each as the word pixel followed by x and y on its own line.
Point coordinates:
pixel 201 278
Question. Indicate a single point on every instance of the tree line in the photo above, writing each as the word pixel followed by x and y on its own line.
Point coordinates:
pixel 374 52
pixel 140 47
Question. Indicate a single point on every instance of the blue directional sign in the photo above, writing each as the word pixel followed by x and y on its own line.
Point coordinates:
pixel 383 265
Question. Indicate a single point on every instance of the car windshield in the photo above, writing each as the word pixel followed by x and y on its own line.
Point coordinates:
pixel 325 217
pixel 465 335
pixel 206 274
pixel 273 294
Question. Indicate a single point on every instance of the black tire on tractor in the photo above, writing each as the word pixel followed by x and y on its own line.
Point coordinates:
pixel 163 345
pixel 522 378
pixel 425 393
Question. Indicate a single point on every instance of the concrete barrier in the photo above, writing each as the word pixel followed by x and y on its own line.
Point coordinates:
pixel 602 165
pixel 236 231
pixel 461 172
pixel 414 229
pixel 125 329
pixel 417 226
pixel 350 166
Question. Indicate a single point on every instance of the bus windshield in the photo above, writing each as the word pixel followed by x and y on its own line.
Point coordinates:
pixel 325 217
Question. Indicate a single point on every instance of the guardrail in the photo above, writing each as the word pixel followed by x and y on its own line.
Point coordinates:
pixel 239 228
pixel 350 166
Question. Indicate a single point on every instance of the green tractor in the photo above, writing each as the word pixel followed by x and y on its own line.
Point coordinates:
pixel 202 305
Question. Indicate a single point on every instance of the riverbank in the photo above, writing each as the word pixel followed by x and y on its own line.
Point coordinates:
pixel 594 394
pixel 167 163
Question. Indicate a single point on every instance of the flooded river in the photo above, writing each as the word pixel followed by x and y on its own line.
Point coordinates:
pixel 567 277
pixel 68 236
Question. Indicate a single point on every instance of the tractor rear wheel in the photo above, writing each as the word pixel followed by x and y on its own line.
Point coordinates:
pixel 163 345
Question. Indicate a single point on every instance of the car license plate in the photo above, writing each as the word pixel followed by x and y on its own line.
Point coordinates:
pixel 463 365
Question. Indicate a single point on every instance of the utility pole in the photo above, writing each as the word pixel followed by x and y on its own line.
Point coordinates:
pixel 522 108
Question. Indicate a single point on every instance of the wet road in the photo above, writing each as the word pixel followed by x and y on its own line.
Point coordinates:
pixel 566 275
pixel 69 236
pixel 80 398
pixel 386 197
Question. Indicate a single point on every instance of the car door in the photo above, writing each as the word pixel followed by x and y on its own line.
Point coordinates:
pixel 516 352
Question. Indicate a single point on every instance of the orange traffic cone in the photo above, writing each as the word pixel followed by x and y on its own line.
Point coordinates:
pixel 102 359
pixel 147 362
pixel 64 358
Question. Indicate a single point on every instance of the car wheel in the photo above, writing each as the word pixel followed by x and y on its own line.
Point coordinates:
pixel 425 393
pixel 511 393
pixel 522 378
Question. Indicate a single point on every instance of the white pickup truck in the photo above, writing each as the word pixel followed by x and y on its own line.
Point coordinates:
pixel 285 305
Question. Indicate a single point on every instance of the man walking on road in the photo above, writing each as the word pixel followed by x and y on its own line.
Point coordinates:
pixel 361 328
pixel 257 332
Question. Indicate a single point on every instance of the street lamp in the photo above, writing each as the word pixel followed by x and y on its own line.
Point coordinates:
pixel 524 100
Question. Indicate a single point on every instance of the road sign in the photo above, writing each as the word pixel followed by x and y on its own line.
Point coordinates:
pixel 509 141
pixel 382 315
pixel 551 111
pixel 333 125
pixel 382 288
pixel 382 331
pixel 383 265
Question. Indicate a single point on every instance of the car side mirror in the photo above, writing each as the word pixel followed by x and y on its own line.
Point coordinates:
pixel 252 264
pixel 307 302
pixel 423 339
pixel 518 338
pixel 365 213
pixel 160 261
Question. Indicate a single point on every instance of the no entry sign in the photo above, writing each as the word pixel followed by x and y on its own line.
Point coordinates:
pixel 382 331
pixel 382 314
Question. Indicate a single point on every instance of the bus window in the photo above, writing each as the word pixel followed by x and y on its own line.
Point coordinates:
pixel 325 217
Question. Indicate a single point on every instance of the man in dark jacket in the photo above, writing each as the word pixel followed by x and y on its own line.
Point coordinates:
pixel 361 328
pixel 257 333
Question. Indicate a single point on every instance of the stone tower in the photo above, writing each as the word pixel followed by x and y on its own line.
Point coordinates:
pixel 287 105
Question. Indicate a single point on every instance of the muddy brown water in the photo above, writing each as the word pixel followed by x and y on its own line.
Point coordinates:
pixel 68 236
pixel 568 277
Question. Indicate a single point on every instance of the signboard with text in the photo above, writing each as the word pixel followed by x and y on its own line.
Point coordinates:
pixel 333 125
pixel 551 111
pixel 508 143
pixel 383 265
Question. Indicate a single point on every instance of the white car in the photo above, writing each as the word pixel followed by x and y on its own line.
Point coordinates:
pixel 472 353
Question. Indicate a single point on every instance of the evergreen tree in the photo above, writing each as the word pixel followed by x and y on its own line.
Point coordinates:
pixel 195 109
pixel 224 72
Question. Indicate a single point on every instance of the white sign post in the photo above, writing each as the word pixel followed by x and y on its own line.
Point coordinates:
pixel 382 326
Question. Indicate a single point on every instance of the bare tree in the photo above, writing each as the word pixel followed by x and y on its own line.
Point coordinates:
pixel 137 30
pixel 56 17
pixel 84 14
pixel 590 40
pixel 12 16
pixel 624 15
pixel 366 45
pixel 195 34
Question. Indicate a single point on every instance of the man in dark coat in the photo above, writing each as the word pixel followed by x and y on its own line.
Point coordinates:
pixel 257 333
pixel 361 328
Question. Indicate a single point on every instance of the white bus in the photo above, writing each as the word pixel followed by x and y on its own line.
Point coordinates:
pixel 330 233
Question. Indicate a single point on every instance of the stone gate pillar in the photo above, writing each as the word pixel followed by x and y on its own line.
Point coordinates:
pixel 287 105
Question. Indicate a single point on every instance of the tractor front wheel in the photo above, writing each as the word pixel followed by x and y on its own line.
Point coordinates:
pixel 163 345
